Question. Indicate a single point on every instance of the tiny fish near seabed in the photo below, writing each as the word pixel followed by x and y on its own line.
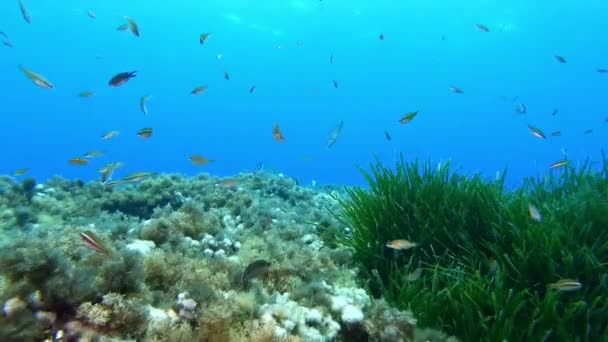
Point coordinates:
pixel 566 285
pixel 534 213
pixel 401 244
pixel 93 242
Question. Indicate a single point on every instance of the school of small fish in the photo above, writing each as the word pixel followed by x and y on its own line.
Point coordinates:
pixel 261 267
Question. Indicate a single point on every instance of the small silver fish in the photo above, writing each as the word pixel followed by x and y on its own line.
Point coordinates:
pixel 534 213
pixel 335 134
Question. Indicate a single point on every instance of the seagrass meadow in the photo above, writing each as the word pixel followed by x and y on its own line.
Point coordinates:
pixel 485 263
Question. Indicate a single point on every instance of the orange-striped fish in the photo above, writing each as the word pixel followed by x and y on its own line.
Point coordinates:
pixel 93 242
pixel 78 161
pixel 277 134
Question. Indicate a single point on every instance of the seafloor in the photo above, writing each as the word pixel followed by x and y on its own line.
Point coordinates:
pixel 250 258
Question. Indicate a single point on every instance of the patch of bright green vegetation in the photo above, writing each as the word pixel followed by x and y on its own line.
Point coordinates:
pixel 485 261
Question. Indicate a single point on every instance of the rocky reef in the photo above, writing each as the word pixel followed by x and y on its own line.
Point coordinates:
pixel 249 258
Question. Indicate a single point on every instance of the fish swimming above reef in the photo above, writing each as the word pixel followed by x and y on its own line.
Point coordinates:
pixel 122 27
pixel 20 172
pixel 138 176
pixel 108 170
pixel 24 12
pixel 91 14
pixel 521 108
pixel 256 269
pixel 197 159
pixel 38 79
pixel 333 136
pixel 121 78
pixel 387 136
pixel 602 71
pixel 78 161
pixel 252 89
pixel 401 244
pixel 93 242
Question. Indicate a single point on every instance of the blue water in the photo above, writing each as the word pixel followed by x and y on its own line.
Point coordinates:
pixel 428 47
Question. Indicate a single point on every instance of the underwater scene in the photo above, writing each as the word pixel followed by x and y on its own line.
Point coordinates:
pixel 304 170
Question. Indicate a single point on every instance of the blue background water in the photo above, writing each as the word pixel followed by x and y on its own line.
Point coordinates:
pixel 428 47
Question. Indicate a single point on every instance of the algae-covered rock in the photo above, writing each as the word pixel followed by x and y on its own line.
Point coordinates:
pixel 175 252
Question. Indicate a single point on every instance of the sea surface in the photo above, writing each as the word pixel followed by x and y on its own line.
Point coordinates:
pixel 387 58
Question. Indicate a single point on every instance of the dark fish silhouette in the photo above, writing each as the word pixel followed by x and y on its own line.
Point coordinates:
pixel 482 28
pixel 560 59
pixel 256 269
pixel 122 78
pixel 387 136
pixel 26 14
